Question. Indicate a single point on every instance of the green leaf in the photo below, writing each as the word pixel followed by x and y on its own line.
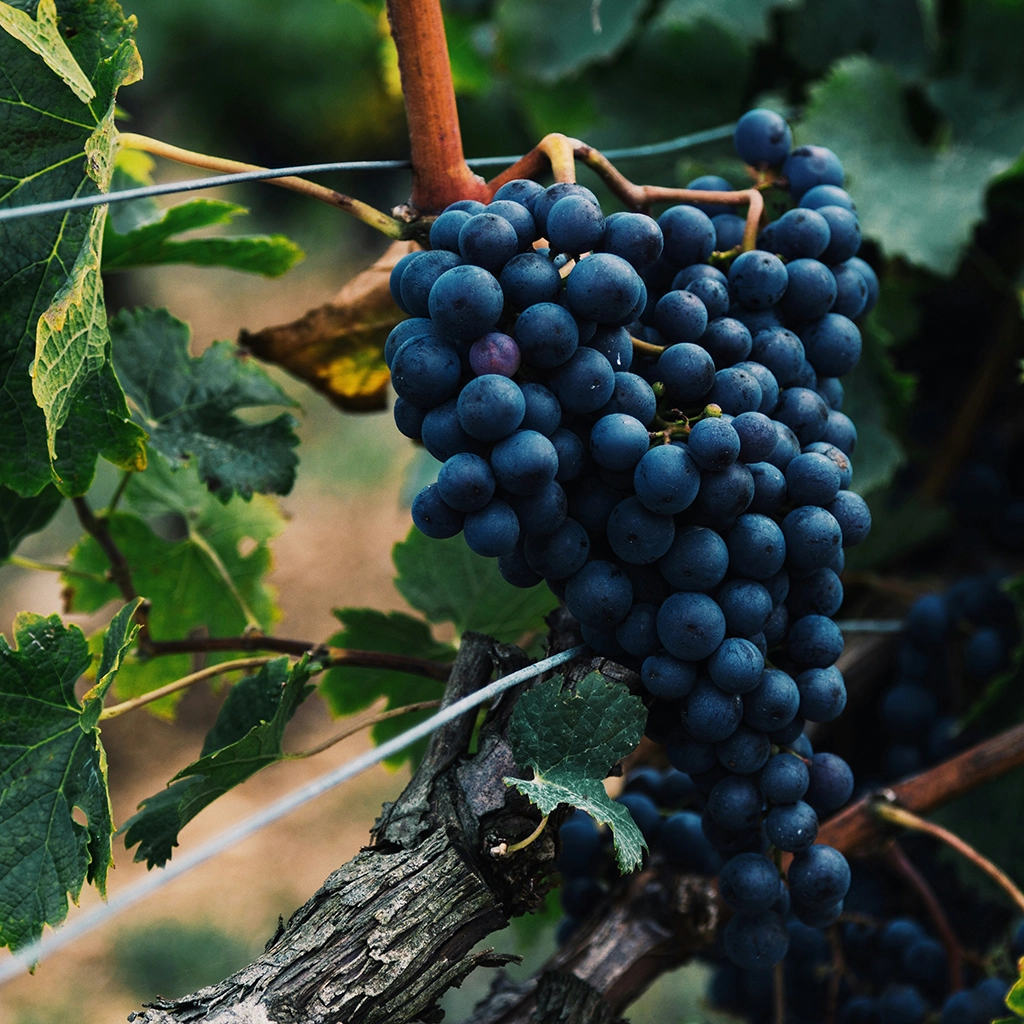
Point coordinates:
pixel 348 689
pixel 117 639
pixel 62 405
pixel 898 183
pixel 1015 997
pixel 571 741
pixel 201 563
pixel 52 764
pixel 144 235
pixel 188 405
pixel 471 73
pixel 245 738
pixel 551 41
pixel 43 37
pixel 879 453
pixel 21 516
pixel 449 583
pixel 746 19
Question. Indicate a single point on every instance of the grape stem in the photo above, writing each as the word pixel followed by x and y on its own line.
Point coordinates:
pixel 898 860
pixel 504 849
pixel 365 723
pixel 390 226
pixel 779 993
pixel 64 570
pixel 896 815
pixel 561 152
pixel 98 527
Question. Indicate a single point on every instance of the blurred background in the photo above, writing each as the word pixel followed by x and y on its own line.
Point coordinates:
pixel 923 100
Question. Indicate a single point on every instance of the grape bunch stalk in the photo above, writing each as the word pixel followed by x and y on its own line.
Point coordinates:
pixel 649 420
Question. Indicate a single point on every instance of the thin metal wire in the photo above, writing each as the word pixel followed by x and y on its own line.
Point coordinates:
pixel 216 180
pixel 871 625
pixel 82 924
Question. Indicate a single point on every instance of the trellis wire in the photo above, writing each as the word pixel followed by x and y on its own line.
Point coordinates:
pixel 83 923
pixel 871 625
pixel 215 181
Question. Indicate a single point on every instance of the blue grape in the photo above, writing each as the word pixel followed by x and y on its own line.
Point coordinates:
pixel 633 396
pixel 815 642
pixel 519 217
pixel 682 279
pixel 870 279
pixel 637 633
pixel 697 560
pixel 749 883
pixel 615 344
pixel 841 432
pixel 585 382
pixel 581 846
pixel 593 503
pixel 419 277
pixel 801 234
pixel 845 234
pixel 519 190
pixel 833 344
pixel 811 291
pixel 746 606
pixel 603 288
pixel 713 443
pixel 928 620
pixel 687 372
pixel 781 351
pixel 734 802
pixel 443 435
pixel 804 411
pixel 466 482
pixel 465 302
pixel 812 479
pixel 395 279
pixel 680 316
pixel 757 547
pixel 727 341
pixel 667 479
pixel 433 516
pixel 525 462
pixel 831 389
pixel 773 703
pixel 543 412
pixel 618 441
pixel 745 751
pixel 635 237
pixel 668 677
pixel 758 279
pixel 792 827
pixel 729 231
pixel 542 512
pixel 838 458
pixel 784 779
pixel 644 812
pixel 444 232
pixel 820 593
pixel 726 493
pixel 685 845
pixel 713 294
pixel 426 371
pixel 757 435
pixel 767 381
pixel 571 454
pixel 711 183
pixel 692 756
pixel 691 626
pixel 851 291
pixel 852 516
pixel 599 594
pixel 545 200
pixel 762 138
pixel 901 1004
pixel 809 166
pixel 402 332
pixel 515 570
pixel 409 418
pixel 819 876
pixel 547 334
pixel 559 554
pixel 736 391
pixel 813 535
pixel 470 206
pixel 530 278
pixel 492 530
pixel 756 941
pixel 491 407
pixel 826 195
pixel 574 225
pixel 638 535
pixel 736 666
pixel 689 235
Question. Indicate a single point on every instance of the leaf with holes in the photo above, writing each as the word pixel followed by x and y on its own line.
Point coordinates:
pixel 571 741
pixel 144 234
pixel 52 764
pixel 245 738
pixel 201 563
pixel 188 406
pixel 347 689
pixel 62 406
pixel 449 583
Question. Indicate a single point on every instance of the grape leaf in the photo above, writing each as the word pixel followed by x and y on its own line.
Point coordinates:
pixel 188 405
pixel 571 741
pixel 746 19
pixel 449 583
pixel 245 738
pixel 62 406
pixel 52 763
pixel 21 516
pixel 899 183
pixel 879 453
pixel 347 689
pixel 549 42
pixel 338 348
pixel 201 563
pixel 1015 997
pixel 143 235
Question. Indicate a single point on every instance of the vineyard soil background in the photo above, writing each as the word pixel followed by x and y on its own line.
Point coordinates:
pixel 924 106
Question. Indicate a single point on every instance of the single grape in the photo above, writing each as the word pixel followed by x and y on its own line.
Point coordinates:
pixel 784 779
pixel 494 353
pixel 852 515
pixel 726 493
pixel 520 190
pixel 409 419
pixel 745 751
pixel 729 231
pixel 444 232
pixel 667 479
pixel 756 546
pixel 530 278
pixel 547 335
pixel 851 290
pixel 691 626
pixel 584 383
pixel 491 407
pixel 792 827
pixel 668 677
pixel 599 594
pixel 633 396
pixel 762 138
pixel 420 275
pixel 493 530
pixel 465 302
pixel 402 332
pixel 395 279
pixel 697 560
pixel 618 441
pixel 736 391
pixel 768 382
pixel 833 344
pixel 781 351
pixel 443 435
pixel 820 593
pixel 635 237
pixel 571 454
pixel 466 482
pixel 574 225
pixel 687 372
pixel 689 235
pixel 433 516
pixel 713 443
pixel 638 535
pixel 737 666
pixel 773 703
pixel 812 535
pixel 727 341
pixel 841 432
pixel 519 217
pixel 815 642
pixel 637 633
pixel 812 479
pixel 543 512
pixel 809 166
pixel 844 228
pixel 758 279
pixel 603 288
pixel 811 291
pixel 826 195
pixel 801 234
pixel 426 371
pixel 525 462
pixel 543 412
pixel 546 199
pixel 559 554
pixel 515 570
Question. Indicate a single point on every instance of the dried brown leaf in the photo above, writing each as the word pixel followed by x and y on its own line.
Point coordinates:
pixel 338 348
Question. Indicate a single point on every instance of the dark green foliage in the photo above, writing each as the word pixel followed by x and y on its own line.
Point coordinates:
pixel 21 516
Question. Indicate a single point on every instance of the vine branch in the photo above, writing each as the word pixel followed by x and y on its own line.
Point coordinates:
pixel 388 225
pixel 896 815
pixel 99 529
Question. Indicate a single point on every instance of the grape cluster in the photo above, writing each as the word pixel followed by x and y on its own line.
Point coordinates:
pixel 971 628
pixel 690 502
